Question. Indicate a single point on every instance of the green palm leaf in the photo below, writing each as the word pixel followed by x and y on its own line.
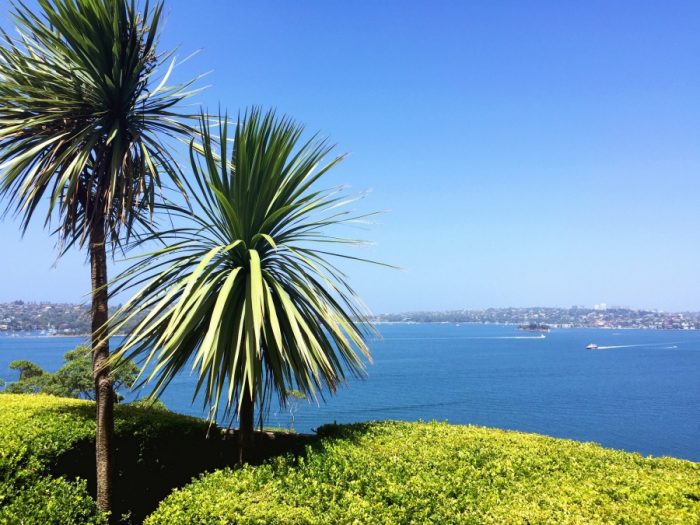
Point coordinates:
pixel 80 121
pixel 245 296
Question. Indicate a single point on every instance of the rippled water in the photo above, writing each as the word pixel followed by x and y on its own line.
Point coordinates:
pixel 639 392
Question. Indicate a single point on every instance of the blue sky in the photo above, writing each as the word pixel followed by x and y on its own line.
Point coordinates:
pixel 539 153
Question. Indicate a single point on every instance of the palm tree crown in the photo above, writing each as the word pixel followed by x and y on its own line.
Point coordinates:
pixel 80 119
pixel 246 293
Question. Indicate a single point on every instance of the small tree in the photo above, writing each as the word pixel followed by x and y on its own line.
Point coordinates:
pixel 27 369
pixel 293 398
pixel 73 379
pixel 32 378
pixel 245 291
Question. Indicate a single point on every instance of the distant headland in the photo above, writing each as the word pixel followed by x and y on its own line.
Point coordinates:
pixel 538 318
pixel 71 319
pixel 44 318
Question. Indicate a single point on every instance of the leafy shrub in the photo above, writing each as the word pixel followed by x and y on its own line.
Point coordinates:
pixel 73 379
pixel 43 436
pixel 34 432
pixel 52 501
pixel 155 404
pixel 396 472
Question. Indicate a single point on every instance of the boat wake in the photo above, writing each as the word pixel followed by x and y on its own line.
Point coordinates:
pixel 633 346
pixel 541 336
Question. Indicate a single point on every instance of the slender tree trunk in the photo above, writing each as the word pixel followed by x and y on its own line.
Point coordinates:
pixel 246 427
pixel 104 395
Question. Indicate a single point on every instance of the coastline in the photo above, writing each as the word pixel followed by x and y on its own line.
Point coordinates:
pixel 27 335
pixel 552 326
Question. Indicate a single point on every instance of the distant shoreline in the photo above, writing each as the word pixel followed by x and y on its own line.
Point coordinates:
pixel 72 320
pixel 552 327
pixel 645 328
pixel 26 335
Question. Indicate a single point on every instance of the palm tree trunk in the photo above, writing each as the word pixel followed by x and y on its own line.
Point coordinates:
pixel 246 427
pixel 104 395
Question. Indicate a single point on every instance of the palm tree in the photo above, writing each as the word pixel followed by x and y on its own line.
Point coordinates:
pixel 82 124
pixel 244 291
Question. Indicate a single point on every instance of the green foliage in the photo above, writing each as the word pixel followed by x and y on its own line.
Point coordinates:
pixel 52 501
pixel 39 432
pixel 156 404
pixel 34 431
pixel 73 379
pixel 438 473
pixel 32 378
pixel 84 115
pixel 246 290
pixel 26 369
pixel 34 384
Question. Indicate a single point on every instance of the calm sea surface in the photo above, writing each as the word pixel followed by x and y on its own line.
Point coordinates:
pixel 640 392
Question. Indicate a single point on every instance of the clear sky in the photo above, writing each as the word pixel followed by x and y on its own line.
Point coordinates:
pixel 528 153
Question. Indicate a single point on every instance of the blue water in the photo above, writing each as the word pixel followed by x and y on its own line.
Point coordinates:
pixel 641 394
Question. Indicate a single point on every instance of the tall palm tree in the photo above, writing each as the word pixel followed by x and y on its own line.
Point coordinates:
pixel 244 290
pixel 82 123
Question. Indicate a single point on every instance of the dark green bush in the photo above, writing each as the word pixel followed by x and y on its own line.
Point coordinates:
pixel 43 436
pixel 52 501
pixel 438 473
pixel 34 432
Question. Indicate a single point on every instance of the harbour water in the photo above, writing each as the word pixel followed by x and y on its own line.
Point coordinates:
pixel 640 391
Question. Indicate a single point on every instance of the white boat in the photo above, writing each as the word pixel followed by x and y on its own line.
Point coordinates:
pixel 592 346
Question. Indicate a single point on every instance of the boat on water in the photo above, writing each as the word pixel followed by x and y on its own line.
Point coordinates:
pixel 534 327
pixel 592 346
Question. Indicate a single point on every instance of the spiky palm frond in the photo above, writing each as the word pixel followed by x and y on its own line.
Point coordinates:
pixel 81 120
pixel 244 290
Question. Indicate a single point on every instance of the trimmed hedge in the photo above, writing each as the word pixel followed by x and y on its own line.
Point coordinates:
pixel 34 432
pixel 47 443
pixel 396 472
pixel 52 501
pixel 387 472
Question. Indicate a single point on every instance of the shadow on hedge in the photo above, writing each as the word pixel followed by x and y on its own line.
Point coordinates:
pixel 150 465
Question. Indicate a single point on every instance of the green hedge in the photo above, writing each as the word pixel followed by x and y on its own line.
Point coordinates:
pixel 395 472
pixel 47 443
pixel 52 501
pixel 375 473
pixel 34 432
